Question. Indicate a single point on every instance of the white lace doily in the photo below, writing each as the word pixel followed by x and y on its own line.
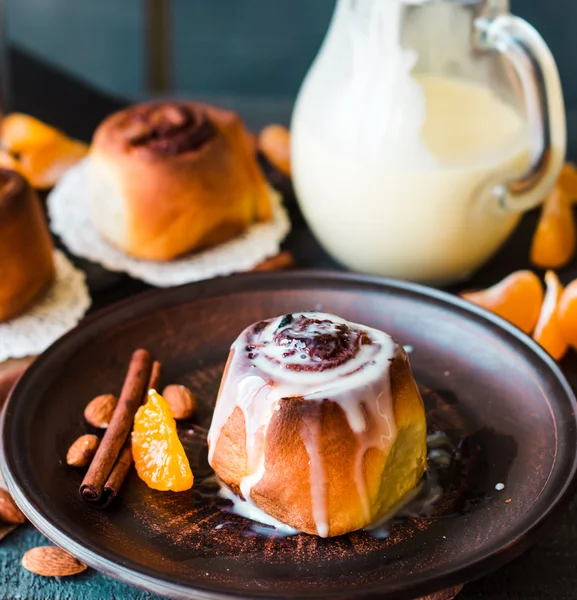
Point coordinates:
pixel 57 311
pixel 69 213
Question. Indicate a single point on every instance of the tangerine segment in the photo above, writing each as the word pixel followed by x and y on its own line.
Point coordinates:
pixel 274 143
pixel 548 331
pixel 517 298
pixel 567 313
pixel 39 152
pixel 158 454
pixel 7 161
pixel 44 166
pixel 554 240
pixel 568 181
pixel 21 133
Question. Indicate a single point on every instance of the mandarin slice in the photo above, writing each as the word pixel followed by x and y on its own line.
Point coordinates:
pixel 38 151
pixel 7 161
pixel 517 298
pixel 567 313
pixel 548 332
pixel 554 240
pixel 568 180
pixel 159 457
pixel 44 166
pixel 274 143
pixel 20 133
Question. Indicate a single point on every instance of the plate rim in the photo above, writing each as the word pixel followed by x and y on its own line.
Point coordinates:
pixel 420 585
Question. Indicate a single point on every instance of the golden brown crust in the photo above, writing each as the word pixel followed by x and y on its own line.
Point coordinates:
pixel 183 192
pixel 284 490
pixel 26 254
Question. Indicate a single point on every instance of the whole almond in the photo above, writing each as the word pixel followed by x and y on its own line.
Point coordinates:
pixel 181 400
pixel 99 411
pixel 9 512
pixel 82 451
pixel 51 561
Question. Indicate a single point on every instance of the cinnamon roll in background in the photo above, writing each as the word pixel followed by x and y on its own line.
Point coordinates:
pixel 26 253
pixel 318 423
pixel 168 178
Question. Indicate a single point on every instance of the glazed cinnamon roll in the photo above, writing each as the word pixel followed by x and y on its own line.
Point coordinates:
pixel 172 177
pixel 26 253
pixel 318 423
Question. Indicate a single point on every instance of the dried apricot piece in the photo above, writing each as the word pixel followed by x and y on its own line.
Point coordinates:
pixel 274 143
pixel 567 313
pixel 517 298
pixel 554 239
pixel 159 457
pixel 548 332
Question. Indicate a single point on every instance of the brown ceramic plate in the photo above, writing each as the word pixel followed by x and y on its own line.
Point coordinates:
pixel 499 397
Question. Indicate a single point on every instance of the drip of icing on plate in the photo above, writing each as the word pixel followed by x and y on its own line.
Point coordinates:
pixel 315 357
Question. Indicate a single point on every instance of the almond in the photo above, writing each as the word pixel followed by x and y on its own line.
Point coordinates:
pixel 51 561
pixel 99 411
pixel 9 512
pixel 82 451
pixel 181 400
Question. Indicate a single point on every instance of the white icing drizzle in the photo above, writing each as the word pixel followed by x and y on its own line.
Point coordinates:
pixel 310 435
pixel 264 369
pixel 251 511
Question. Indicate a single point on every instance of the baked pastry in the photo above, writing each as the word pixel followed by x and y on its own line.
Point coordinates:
pixel 318 423
pixel 26 254
pixel 172 177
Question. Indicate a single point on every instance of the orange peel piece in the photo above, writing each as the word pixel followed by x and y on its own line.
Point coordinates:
pixel 517 298
pixel 159 457
pixel 39 152
pixel 274 143
pixel 553 243
pixel 548 332
pixel 567 313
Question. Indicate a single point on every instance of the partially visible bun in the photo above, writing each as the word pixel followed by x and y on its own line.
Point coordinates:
pixel 172 177
pixel 26 252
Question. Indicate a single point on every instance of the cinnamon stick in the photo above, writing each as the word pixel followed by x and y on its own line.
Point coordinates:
pixel 124 462
pixel 133 390
pixel 118 474
pixel 155 374
pixel 282 260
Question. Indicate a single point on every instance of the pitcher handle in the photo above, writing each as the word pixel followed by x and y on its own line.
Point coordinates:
pixel 535 66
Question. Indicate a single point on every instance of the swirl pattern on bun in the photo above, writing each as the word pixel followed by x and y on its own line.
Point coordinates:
pixel 318 423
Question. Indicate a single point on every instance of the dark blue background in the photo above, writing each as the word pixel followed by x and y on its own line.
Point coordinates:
pixel 241 49
pixel 249 47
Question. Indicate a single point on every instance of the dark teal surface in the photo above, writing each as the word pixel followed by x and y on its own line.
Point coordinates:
pixel 16 582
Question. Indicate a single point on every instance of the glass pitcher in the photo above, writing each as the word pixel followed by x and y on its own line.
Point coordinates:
pixel 422 132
